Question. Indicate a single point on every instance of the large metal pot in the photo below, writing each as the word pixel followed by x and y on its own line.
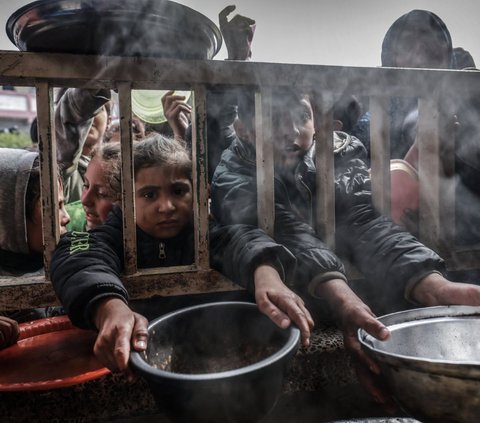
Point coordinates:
pixel 217 362
pixel 143 28
pixel 431 363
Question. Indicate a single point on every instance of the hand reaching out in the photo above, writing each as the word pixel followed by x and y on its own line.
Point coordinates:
pixel 119 330
pixel 352 313
pixel 9 332
pixel 435 289
pixel 237 33
pixel 281 304
pixel 177 113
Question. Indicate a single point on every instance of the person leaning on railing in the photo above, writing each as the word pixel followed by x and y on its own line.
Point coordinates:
pixel 396 266
pixel 417 39
pixel 263 270
pixel 86 266
pixel 21 233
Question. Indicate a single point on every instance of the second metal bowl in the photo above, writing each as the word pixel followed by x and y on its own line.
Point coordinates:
pixel 431 363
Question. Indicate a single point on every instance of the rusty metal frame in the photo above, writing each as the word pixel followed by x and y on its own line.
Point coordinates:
pixel 45 71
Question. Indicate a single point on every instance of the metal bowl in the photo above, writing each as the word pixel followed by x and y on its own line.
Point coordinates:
pixel 143 28
pixel 216 362
pixel 431 363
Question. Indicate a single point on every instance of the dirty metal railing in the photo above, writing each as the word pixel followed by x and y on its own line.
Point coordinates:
pixel 46 71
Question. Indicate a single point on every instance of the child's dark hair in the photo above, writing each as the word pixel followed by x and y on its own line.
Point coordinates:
pixel 158 150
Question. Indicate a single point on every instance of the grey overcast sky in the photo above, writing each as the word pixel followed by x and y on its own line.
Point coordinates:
pixel 327 32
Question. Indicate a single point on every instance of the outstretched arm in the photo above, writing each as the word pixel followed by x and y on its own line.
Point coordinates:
pixel 237 33
pixel 279 303
pixel 265 266
pixel 351 313
pixel 434 289
pixel 177 113
pixel 74 115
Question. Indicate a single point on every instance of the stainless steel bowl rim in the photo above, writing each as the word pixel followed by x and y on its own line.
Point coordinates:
pixel 410 317
pixel 291 343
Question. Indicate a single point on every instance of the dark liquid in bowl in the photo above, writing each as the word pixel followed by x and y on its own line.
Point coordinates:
pixel 184 360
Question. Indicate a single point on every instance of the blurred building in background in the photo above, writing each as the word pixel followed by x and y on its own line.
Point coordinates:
pixel 18 108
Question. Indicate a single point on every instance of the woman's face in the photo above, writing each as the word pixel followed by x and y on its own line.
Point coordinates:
pixel 96 198
pixel 34 225
pixel 163 201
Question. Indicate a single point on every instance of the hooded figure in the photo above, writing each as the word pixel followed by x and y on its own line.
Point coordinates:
pixel 16 168
pixel 417 39
pixel 21 242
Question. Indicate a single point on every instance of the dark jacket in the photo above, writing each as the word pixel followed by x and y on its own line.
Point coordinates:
pixel 389 257
pixel 87 266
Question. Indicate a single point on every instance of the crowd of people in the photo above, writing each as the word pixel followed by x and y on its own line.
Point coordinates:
pixel 293 276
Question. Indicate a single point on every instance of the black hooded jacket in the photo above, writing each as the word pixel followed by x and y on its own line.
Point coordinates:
pixel 391 259
pixel 87 266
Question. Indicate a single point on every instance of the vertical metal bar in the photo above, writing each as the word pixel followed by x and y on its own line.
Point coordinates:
pixel 429 170
pixel 48 170
pixel 322 105
pixel 265 166
pixel 128 182
pixel 200 177
pixel 380 153
pixel 447 142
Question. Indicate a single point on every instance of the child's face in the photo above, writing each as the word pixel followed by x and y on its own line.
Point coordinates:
pixel 293 132
pixel 163 201
pixel 96 200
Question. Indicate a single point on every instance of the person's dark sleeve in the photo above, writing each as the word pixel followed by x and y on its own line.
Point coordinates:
pixel 233 191
pixel 316 262
pixel 234 201
pixel 221 113
pixel 86 267
pixel 237 250
pixel 74 115
pixel 388 256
